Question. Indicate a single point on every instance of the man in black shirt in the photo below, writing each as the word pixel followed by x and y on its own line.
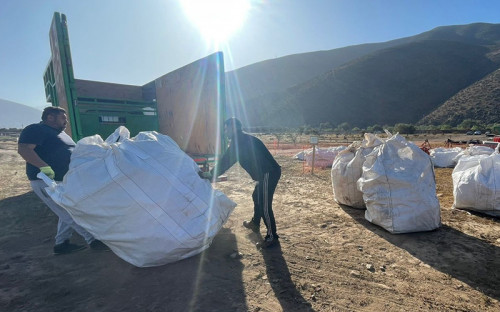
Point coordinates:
pixel 256 159
pixel 47 148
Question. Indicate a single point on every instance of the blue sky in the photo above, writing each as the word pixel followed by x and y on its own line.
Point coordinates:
pixel 134 42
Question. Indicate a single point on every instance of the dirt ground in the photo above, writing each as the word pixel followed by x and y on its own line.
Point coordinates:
pixel 330 258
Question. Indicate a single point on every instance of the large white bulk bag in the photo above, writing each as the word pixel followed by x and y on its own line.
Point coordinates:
pixel 142 197
pixel 399 188
pixel 323 157
pixel 302 155
pixel 476 183
pixel 444 157
pixel 473 150
pixel 347 168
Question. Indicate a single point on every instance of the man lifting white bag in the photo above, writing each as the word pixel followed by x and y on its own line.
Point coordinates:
pixel 399 188
pixel 143 197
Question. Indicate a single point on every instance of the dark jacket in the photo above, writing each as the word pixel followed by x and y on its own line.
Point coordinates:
pixel 252 155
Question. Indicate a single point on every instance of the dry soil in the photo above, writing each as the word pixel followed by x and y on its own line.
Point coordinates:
pixel 329 259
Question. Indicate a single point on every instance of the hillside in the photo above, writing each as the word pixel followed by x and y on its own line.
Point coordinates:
pixel 274 75
pixel 281 73
pixel 480 101
pixel 15 115
pixel 483 34
pixel 399 84
pixel 401 75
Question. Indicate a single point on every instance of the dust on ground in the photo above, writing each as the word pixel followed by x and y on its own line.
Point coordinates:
pixel 330 258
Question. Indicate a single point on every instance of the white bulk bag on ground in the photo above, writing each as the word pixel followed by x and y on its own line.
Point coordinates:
pixel 476 184
pixel 323 157
pixel 399 188
pixel 474 150
pixel 444 157
pixel 142 197
pixel 347 168
pixel 300 155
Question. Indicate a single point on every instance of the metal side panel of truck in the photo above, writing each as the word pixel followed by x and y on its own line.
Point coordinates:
pixel 187 104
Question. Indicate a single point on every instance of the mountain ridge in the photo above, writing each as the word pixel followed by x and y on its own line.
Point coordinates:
pixel 17 115
pixel 260 98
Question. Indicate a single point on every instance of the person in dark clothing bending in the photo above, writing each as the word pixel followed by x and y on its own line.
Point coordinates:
pixel 256 159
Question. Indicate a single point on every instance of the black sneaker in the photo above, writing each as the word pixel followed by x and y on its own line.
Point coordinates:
pixel 268 242
pixel 98 245
pixel 66 247
pixel 252 226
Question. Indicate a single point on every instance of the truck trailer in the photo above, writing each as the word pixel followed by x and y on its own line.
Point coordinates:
pixel 187 104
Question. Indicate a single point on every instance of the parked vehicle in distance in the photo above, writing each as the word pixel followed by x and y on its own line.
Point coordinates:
pixel 470 133
pixel 477 132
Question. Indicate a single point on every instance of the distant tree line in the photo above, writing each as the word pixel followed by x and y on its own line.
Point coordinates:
pixel 346 129
pixel 10 131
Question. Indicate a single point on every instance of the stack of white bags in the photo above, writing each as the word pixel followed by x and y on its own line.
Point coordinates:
pixel 323 157
pixel 142 197
pixel 473 150
pixel 395 180
pixel 448 157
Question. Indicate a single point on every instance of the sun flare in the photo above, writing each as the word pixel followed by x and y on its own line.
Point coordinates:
pixel 217 20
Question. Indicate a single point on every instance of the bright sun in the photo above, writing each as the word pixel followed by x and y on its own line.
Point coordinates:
pixel 217 20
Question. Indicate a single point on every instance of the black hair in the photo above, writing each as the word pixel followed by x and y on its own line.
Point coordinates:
pixel 52 110
pixel 234 123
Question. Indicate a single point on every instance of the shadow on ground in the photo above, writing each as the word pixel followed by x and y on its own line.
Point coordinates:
pixel 464 257
pixel 278 276
pixel 33 279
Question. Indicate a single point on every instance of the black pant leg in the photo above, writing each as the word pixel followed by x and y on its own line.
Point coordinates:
pixel 267 188
pixel 257 204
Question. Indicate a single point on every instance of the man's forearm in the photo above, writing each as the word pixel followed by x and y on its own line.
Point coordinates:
pixel 28 153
